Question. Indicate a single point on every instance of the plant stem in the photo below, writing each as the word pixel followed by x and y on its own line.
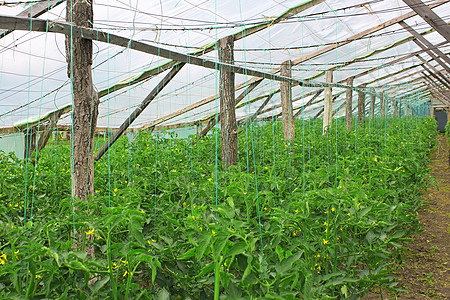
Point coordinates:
pixel 111 274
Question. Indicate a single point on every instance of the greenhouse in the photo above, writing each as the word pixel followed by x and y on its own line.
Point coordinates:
pixel 232 149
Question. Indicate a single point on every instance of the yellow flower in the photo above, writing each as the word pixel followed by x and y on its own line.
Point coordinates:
pixel 201 228
pixel 38 276
pixel 348 214
pixel 266 168
pixel 325 224
pixel 193 217
pixel 265 208
pixel 90 232
pixel 213 232
pixel 115 190
pixel 296 211
pixel 209 179
pixel 375 159
pixel 325 241
pixel 193 183
pixel 174 171
pixel 184 204
pixel 142 211
pixel 332 209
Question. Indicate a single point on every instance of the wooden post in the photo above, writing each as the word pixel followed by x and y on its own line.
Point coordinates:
pixel 382 106
pixel 85 99
pixel 394 108
pixel 286 103
pixel 84 111
pixel 327 102
pixel 407 110
pixel 372 105
pixel 227 103
pixel 348 104
pixel 361 106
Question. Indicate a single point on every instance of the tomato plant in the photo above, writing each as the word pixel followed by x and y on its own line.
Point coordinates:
pixel 318 218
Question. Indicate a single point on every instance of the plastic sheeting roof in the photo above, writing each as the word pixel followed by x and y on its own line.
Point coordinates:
pixel 33 75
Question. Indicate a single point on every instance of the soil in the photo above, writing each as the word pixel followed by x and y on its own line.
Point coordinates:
pixel 425 270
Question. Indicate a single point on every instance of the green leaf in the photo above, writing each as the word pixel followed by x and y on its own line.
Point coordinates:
pixel 248 269
pixel 237 248
pixel 190 253
pixel 203 243
pixel 99 284
pixel 206 269
pixel 163 295
pixel 279 252
pixel 219 243
pixel 364 211
pixel 286 264
pixel 78 266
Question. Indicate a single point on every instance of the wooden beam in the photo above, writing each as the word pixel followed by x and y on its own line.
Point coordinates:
pixel 323 108
pixel 135 114
pixel 286 103
pixel 430 53
pixel 301 108
pixel 255 115
pixel 443 98
pixel 436 71
pixel 445 83
pixel 228 124
pixel 430 17
pixel 213 119
pixel 242 33
pixel 427 46
pixel 444 94
pixel 53 121
pixel 327 105
pixel 363 34
pixel 37 25
pixel 34 11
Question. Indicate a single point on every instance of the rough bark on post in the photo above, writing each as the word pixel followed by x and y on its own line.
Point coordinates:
pixel 227 103
pixel 382 107
pixel 85 103
pixel 348 104
pixel 286 103
pixel 372 105
pixel 327 102
pixel 361 106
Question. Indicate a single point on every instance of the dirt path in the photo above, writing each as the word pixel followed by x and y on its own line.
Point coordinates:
pixel 425 272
